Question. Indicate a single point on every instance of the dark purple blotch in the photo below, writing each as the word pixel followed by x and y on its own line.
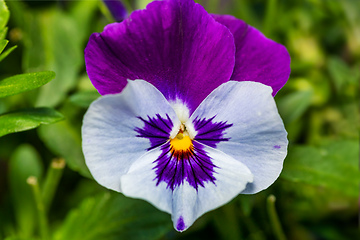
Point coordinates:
pixel 156 129
pixel 195 165
pixel 180 225
pixel 209 132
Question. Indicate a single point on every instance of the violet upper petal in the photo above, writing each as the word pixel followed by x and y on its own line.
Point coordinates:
pixel 173 44
pixel 257 58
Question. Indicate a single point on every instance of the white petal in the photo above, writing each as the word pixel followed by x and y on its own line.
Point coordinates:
pixel 231 178
pixel 110 144
pixel 257 137
pixel 186 203
pixel 140 182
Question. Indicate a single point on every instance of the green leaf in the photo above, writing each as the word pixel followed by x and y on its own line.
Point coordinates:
pixel 4 14
pixel 7 52
pixel 65 141
pixel 24 82
pixel 112 216
pixel 3 44
pixel 293 105
pixel 3 33
pixel 83 99
pixel 20 238
pixel 83 13
pixel 24 162
pixel 53 44
pixel 334 166
pixel 339 71
pixel 27 119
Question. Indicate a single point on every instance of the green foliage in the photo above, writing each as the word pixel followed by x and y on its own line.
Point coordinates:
pixel 113 216
pixel 316 194
pixel 83 99
pixel 3 44
pixel 24 162
pixel 61 53
pixel 325 166
pixel 4 14
pixel 65 141
pixel 24 82
pixel 55 43
pixel 7 52
pixel 22 120
pixel 27 119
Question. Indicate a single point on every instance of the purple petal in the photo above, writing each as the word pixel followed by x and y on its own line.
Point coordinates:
pixel 257 58
pixel 173 44
pixel 117 9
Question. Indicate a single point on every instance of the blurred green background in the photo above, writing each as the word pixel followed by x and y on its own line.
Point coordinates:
pixel 316 196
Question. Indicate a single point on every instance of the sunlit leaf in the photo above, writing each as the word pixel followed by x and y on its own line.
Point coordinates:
pixel 27 119
pixel 334 165
pixel 112 216
pixel 3 44
pixel 4 14
pixel 24 82
pixel 64 141
pixel 3 33
pixel 24 162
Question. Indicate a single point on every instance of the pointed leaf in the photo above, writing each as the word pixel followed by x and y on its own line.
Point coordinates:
pixel 27 119
pixel 3 44
pixel 24 82
pixel 7 52
pixel 112 216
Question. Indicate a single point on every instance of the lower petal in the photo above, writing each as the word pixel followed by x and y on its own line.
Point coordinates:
pixel 185 202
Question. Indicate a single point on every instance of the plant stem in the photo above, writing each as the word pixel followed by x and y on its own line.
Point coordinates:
pixel 43 223
pixel 51 181
pixel 274 219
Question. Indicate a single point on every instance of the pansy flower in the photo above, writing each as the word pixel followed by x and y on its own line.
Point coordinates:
pixel 187 120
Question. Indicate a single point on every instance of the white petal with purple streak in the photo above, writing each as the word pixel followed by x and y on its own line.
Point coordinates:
pixel 110 144
pixel 257 136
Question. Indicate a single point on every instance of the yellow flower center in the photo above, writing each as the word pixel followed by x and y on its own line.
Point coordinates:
pixel 181 146
pixel 181 142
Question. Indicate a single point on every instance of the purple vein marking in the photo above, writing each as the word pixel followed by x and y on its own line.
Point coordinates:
pixel 210 133
pixel 156 129
pixel 193 165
